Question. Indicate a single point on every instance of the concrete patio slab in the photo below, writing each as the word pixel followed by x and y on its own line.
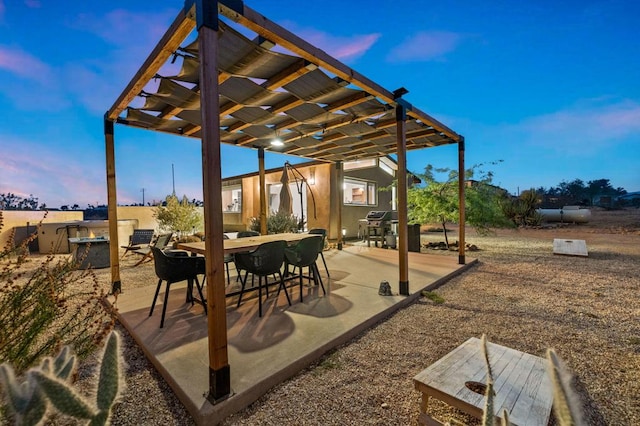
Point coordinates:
pixel 268 350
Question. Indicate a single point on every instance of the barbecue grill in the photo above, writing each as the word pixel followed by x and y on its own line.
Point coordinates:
pixel 378 225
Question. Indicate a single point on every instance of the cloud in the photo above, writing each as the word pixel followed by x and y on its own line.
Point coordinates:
pixel 426 46
pixel 34 85
pixel 96 82
pixel 24 65
pixel 340 47
pixel 127 29
pixel 584 128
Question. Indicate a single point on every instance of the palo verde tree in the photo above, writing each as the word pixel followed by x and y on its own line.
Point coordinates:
pixel 437 201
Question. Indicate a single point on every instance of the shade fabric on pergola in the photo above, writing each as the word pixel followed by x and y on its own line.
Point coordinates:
pixel 229 88
pixel 266 94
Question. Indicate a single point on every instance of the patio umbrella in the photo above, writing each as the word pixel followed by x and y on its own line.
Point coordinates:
pixel 286 205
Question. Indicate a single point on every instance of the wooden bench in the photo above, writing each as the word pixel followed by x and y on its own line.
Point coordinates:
pixel 521 384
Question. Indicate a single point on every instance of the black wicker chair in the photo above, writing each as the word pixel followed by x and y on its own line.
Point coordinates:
pixel 174 267
pixel 323 232
pixel 244 234
pixel 304 255
pixel 265 260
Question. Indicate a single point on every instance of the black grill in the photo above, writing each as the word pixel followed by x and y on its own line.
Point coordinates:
pixel 378 225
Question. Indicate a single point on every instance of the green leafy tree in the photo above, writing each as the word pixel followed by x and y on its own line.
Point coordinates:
pixel 437 201
pixel 179 216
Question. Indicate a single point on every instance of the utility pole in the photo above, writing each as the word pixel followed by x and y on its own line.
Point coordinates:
pixel 173 179
pixel 143 196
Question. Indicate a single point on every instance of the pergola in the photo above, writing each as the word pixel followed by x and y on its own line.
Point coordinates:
pixel 245 92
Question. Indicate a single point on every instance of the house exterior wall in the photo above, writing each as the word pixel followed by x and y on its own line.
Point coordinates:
pixel 251 197
pixel 23 219
pixel 352 214
pixel 143 214
pixel 326 200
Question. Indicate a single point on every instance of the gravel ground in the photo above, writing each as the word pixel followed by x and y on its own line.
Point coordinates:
pixel 519 294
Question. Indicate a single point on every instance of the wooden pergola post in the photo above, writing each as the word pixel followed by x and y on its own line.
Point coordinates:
pixel 263 192
pixel 403 231
pixel 461 210
pixel 219 370
pixel 112 207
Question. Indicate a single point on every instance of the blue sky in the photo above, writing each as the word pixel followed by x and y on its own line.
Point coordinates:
pixel 550 88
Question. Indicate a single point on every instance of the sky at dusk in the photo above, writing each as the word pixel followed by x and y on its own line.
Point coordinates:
pixel 551 89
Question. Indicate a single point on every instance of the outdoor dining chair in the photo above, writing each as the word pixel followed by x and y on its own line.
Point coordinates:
pixel 265 260
pixel 139 239
pixel 323 232
pixel 304 255
pixel 243 234
pixel 175 267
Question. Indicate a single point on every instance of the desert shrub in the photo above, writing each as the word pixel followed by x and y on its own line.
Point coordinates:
pixel 46 305
pixel 522 211
pixel 277 223
pixel 254 224
pixel 281 222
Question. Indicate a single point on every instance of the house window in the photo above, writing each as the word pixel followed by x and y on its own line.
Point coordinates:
pixel 360 192
pixel 232 199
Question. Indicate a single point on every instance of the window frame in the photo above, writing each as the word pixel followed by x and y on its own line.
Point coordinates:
pixel 370 188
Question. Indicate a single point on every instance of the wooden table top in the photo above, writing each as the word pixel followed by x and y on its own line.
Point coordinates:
pixel 236 245
pixel 521 383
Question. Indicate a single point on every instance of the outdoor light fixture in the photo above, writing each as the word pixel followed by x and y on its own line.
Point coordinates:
pixel 312 176
pixel 276 141
pixel 344 231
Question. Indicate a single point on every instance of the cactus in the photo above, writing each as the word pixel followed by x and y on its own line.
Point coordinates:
pixel 23 399
pixel 566 404
pixel 488 419
pixel 50 382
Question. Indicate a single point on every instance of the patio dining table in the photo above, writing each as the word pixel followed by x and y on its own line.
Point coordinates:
pixel 237 245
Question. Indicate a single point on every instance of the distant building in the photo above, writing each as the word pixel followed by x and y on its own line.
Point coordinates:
pixel 629 199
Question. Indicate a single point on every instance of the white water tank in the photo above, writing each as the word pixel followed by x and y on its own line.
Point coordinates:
pixel 572 214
